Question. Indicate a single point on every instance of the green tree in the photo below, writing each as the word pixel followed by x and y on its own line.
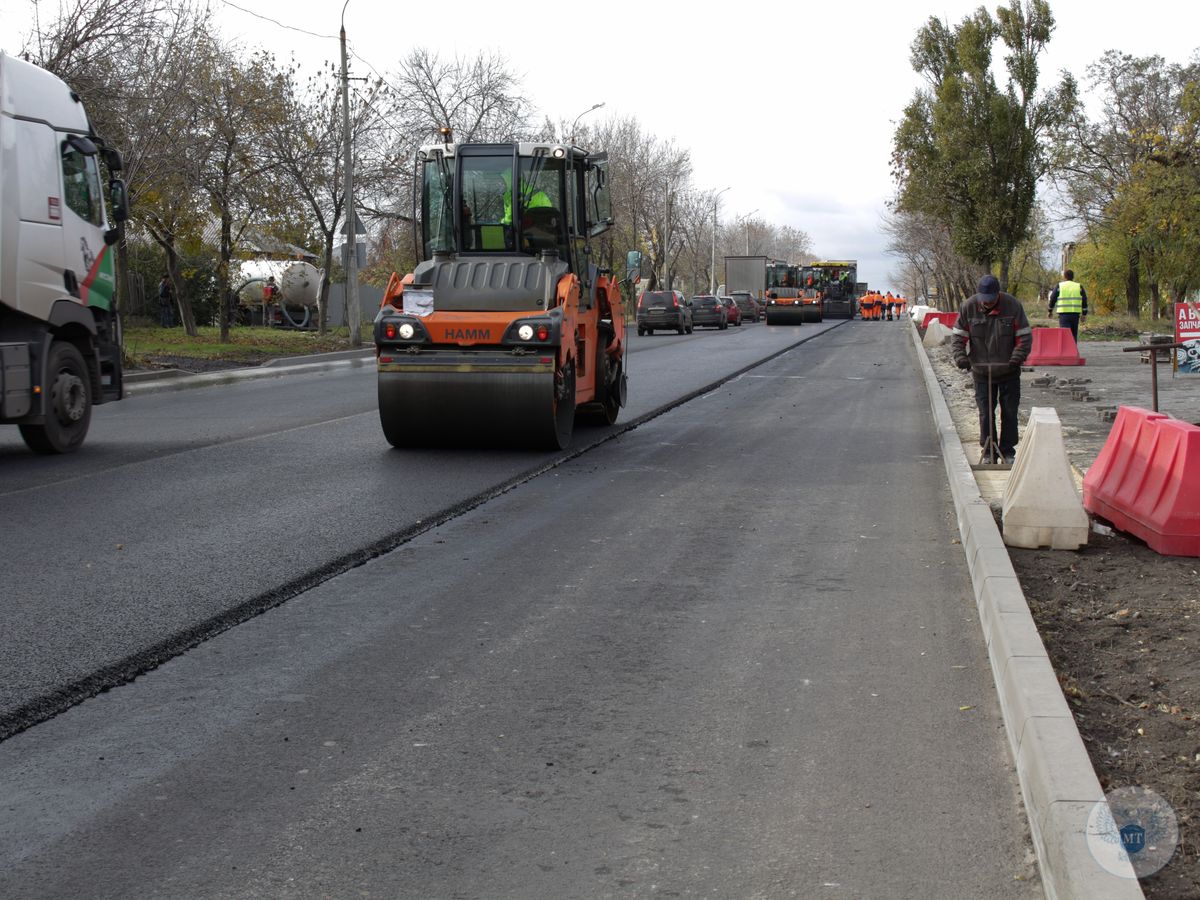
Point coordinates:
pixel 1142 116
pixel 968 152
pixel 240 102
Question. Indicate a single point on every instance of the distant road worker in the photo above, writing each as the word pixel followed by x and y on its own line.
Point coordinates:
pixel 1070 299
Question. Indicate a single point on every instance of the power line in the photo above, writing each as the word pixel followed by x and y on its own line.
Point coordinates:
pixel 251 12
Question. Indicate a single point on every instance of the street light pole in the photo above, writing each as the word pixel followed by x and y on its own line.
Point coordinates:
pixel 594 106
pixel 747 219
pixel 712 269
pixel 353 313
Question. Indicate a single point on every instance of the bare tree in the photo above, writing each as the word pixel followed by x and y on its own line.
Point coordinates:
pixel 306 149
pixel 926 247
pixel 480 98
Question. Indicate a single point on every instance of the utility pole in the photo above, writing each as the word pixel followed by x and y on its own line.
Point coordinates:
pixel 353 313
pixel 712 269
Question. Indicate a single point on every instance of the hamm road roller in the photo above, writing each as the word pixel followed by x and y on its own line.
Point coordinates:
pixel 507 328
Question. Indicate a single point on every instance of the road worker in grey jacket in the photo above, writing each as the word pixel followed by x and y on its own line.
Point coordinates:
pixel 1000 340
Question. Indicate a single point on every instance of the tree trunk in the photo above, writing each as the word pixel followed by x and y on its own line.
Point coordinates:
pixel 1133 295
pixel 1004 266
pixel 1155 298
pixel 184 304
pixel 323 299
pixel 223 291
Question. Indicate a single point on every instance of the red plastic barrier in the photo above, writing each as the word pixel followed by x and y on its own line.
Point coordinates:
pixel 1054 347
pixel 946 318
pixel 1146 481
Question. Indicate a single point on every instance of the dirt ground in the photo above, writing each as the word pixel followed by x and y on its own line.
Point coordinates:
pixel 1121 622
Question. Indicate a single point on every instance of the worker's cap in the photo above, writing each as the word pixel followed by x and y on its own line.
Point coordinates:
pixel 988 288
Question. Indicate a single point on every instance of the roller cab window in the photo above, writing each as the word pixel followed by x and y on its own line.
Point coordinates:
pixel 494 203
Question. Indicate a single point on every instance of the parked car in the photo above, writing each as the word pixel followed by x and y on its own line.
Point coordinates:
pixel 731 310
pixel 747 303
pixel 708 310
pixel 664 309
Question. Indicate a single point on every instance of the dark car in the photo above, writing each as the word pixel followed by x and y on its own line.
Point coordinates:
pixel 708 310
pixel 745 301
pixel 664 309
pixel 731 310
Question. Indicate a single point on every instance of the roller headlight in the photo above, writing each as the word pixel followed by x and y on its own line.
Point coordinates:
pixel 525 332
pixel 406 331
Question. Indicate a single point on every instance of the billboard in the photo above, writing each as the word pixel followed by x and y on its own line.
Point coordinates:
pixel 1187 329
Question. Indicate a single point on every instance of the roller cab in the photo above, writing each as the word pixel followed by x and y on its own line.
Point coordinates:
pixel 787 303
pixel 836 285
pixel 506 329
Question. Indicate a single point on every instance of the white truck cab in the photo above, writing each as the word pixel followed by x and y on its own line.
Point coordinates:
pixel 59 329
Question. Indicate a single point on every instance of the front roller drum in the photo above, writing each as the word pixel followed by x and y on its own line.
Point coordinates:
pixel 811 314
pixel 785 315
pixel 472 408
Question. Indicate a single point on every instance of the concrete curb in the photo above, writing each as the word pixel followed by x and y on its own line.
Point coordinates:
pixel 142 383
pixel 1058 783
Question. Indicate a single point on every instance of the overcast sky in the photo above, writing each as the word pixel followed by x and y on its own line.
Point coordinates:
pixel 790 106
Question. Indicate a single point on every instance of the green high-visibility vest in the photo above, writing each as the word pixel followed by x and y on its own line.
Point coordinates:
pixel 1070 298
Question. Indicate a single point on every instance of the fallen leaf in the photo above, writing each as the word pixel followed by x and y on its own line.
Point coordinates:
pixel 965 708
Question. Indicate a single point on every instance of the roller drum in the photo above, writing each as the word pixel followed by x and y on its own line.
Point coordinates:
pixel 785 315
pixel 476 408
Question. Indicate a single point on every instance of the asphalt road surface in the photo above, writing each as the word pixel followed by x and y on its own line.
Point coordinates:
pixel 189 511
pixel 731 652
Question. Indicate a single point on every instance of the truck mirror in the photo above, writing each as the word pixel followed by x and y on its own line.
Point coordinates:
pixel 633 261
pixel 112 159
pixel 118 199
pixel 82 144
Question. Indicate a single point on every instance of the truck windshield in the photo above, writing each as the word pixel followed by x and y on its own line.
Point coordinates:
pixel 81 185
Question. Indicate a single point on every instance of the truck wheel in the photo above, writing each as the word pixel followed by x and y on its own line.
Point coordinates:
pixel 68 403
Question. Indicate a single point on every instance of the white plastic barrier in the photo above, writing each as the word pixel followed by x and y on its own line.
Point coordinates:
pixel 918 313
pixel 936 334
pixel 1041 507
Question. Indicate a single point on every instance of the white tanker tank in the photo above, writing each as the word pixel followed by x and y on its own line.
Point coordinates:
pixel 299 282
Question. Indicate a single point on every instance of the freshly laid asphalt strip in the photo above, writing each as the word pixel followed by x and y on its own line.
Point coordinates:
pixel 732 652
pixel 191 512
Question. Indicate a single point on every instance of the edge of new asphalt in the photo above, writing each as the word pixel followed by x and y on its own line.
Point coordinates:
pixel 156 382
pixel 1058 783
pixel 47 706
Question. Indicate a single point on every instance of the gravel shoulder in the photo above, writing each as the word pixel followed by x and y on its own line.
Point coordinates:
pixel 1121 623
